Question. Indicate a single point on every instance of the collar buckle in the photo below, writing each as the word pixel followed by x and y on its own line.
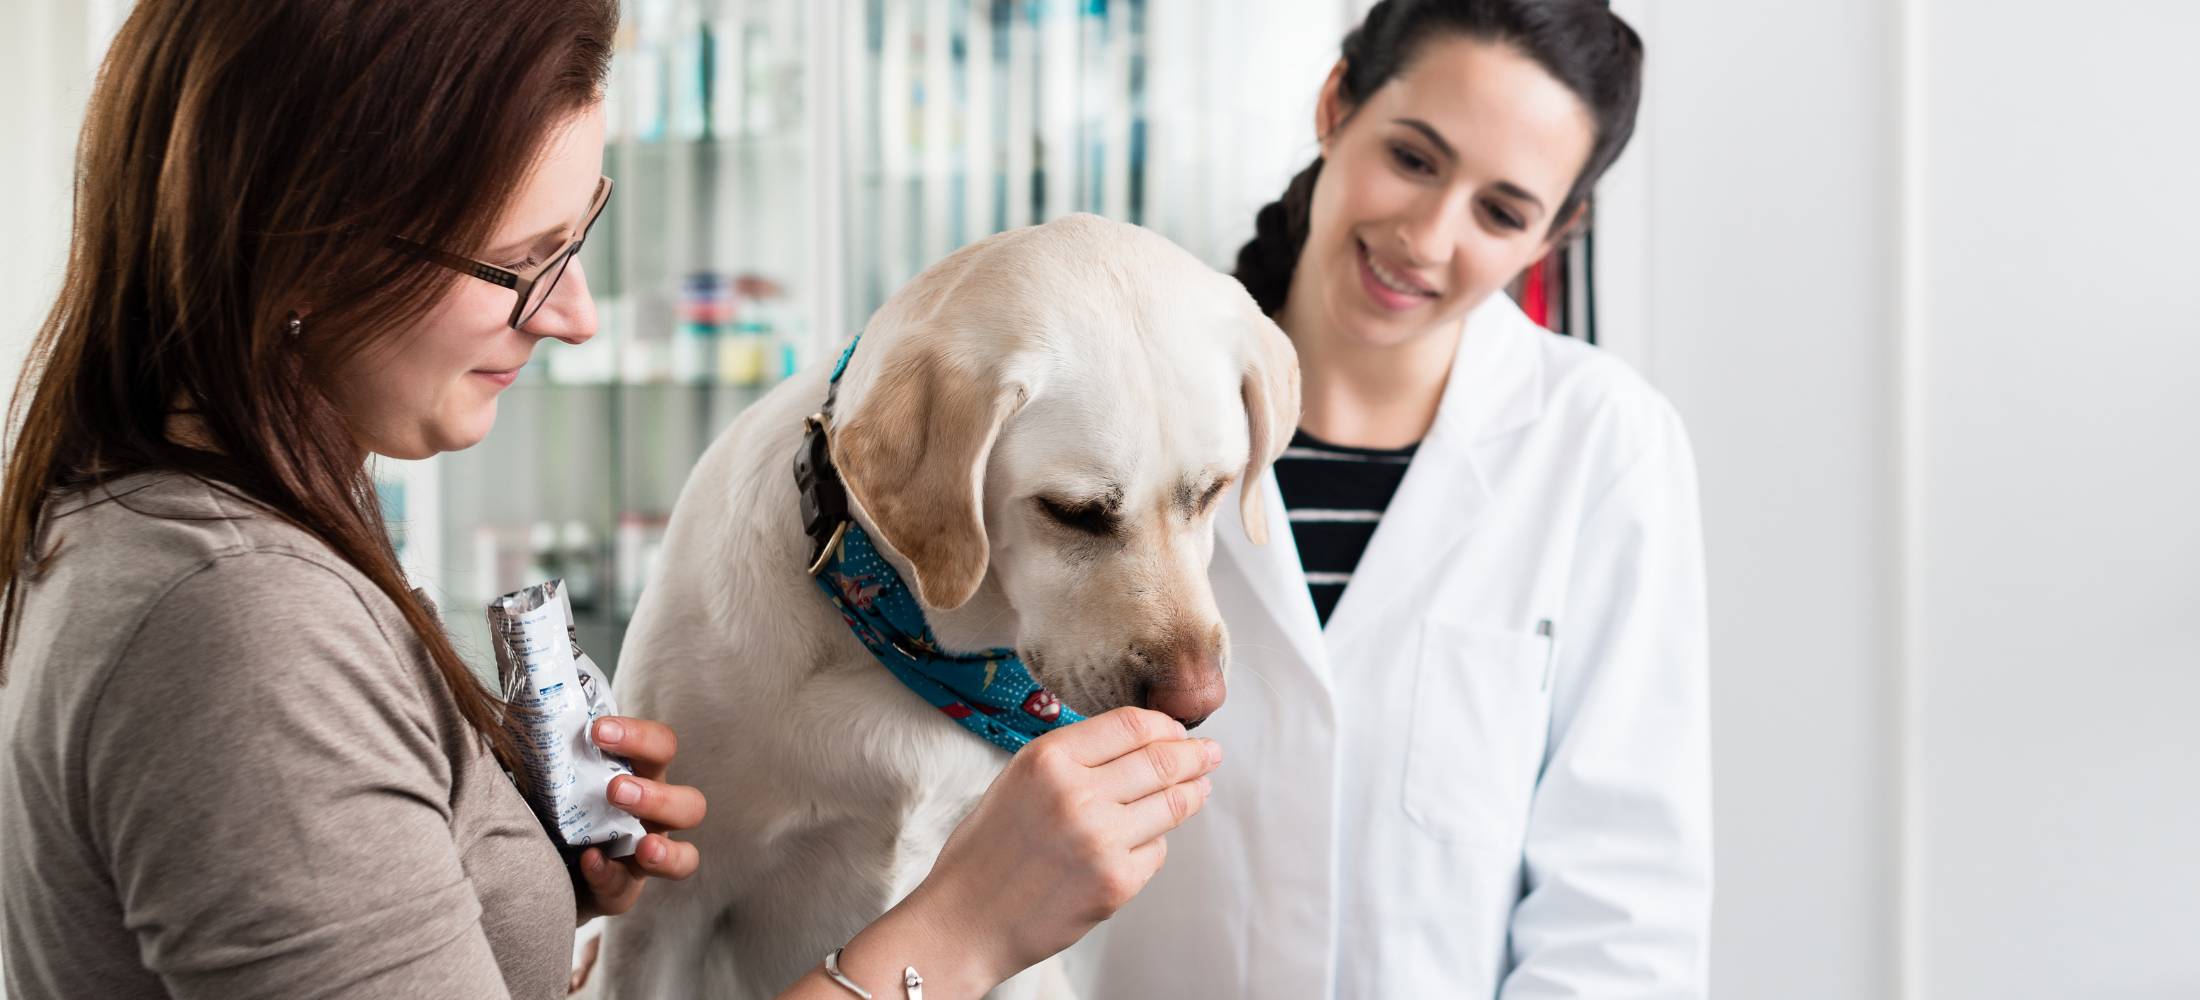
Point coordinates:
pixel 823 497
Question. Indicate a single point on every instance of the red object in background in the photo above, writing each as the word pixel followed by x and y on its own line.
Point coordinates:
pixel 1535 293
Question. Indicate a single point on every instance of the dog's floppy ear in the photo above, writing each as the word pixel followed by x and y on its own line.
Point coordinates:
pixel 914 455
pixel 1271 391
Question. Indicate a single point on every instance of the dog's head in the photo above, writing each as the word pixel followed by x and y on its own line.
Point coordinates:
pixel 1064 407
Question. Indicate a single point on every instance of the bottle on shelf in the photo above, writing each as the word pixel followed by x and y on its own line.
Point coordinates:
pixel 636 546
pixel 725 74
pixel 689 69
pixel 581 565
pixel 389 493
pixel 758 115
pixel 706 303
pixel 741 357
pixel 746 355
pixel 649 71
pixel 644 359
pixel 542 554
pixel 593 361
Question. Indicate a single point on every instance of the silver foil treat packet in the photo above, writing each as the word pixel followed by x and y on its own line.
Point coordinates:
pixel 554 692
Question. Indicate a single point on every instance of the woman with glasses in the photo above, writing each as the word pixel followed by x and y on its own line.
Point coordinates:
pixel 242 757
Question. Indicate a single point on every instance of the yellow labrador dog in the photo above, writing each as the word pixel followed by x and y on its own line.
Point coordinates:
pixel 1036 431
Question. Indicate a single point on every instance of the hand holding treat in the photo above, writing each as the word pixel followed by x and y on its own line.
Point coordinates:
pixel 616 883
pixel 594 778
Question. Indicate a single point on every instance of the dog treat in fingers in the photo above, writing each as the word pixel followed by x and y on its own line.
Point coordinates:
pixel 553 691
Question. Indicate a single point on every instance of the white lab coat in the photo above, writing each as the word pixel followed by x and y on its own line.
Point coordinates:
pixel 1430 798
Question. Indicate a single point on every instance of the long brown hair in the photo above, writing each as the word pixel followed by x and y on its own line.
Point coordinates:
pixel 244 162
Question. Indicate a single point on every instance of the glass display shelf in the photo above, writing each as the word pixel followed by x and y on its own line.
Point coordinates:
pixel 783 166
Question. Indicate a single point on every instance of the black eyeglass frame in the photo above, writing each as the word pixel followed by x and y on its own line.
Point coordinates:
pixel 552 267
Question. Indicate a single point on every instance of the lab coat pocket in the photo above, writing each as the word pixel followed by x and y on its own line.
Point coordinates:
pixel 1478 725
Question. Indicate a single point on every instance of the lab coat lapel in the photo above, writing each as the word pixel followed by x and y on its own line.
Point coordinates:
pixel 1273 574
pixel 1495 387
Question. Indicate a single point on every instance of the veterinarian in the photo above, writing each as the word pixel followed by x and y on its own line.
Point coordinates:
pixel 243 760
pixel 1467 719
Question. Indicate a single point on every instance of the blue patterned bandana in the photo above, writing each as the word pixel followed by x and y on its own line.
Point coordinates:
pixel 991 694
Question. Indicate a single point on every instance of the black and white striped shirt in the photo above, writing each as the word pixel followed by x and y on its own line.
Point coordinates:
pixel 1336 495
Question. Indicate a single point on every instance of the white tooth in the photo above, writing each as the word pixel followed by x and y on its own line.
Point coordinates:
pixel 1389 280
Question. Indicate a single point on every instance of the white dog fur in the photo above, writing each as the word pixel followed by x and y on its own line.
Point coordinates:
pixel 1086 362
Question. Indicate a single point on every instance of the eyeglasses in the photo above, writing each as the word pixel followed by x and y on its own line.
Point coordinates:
pixel 532 287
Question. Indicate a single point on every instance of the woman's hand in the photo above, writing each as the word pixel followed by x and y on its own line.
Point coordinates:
pixel 613 886
pixel 1068 832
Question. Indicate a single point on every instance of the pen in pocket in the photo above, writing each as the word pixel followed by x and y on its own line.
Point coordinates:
pixel 1549 633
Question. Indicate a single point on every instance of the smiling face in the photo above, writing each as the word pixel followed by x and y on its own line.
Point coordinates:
pixel 1435 192
pixel 435 389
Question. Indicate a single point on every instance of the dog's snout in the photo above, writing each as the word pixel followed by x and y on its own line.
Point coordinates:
pixel 1190 688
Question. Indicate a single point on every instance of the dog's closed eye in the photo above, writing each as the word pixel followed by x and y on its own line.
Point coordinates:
pixel 1194 495
pixel 1092 517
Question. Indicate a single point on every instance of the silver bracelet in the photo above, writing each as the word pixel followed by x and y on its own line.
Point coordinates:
pixel 912 985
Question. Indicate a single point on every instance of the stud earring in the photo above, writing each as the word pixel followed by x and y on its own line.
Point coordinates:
pixel 291 328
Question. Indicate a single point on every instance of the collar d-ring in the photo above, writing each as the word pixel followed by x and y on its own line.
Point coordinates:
pixel 825 555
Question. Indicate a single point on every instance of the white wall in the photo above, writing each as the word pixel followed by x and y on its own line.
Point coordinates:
pixel 2059 606
pixel 1770 218
pixel 1921 277
pixel 46 50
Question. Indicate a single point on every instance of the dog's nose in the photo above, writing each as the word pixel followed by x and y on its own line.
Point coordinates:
pixel 1190 691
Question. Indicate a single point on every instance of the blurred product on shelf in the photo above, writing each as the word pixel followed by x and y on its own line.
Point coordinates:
pixel 389 493
pixel 579 562
pixel 783 166
pixel 542 551
pixel 636 547
pixel 688 66
pixel 645 359
pixel 706 306
pixel 741 356
pixel 1558 292
pixel 499 562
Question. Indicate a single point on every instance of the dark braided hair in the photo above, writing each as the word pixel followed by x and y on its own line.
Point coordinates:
pixel 1581 43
